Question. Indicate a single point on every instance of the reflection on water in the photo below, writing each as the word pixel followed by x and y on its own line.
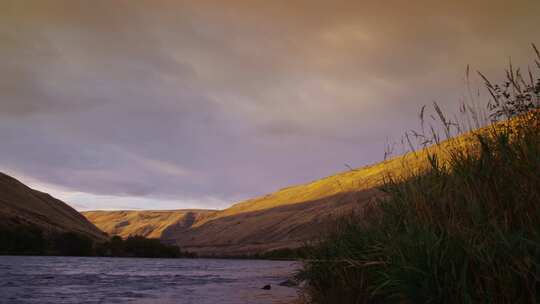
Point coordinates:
pixel 122 280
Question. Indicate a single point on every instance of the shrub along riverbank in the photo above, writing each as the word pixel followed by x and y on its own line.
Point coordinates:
pixel 466 229
pixel 32 241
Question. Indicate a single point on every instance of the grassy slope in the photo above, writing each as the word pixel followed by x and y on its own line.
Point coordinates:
pixel 294 215
pixel 284 219
pixel 21 205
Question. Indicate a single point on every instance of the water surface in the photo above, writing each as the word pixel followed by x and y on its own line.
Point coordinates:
pixel 123 280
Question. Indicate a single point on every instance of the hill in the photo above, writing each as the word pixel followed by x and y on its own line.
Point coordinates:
pixel 287 218
pixel 22 207
pixel 295 215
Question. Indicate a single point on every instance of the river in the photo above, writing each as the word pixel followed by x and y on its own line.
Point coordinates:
pixel 130 280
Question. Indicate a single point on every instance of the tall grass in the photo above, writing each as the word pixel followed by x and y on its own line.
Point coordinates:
pixel 464 230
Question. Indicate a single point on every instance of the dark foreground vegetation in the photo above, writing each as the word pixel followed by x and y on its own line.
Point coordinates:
pixel 288 254
pixel 464 230
pixel 285 254
pixel 29 240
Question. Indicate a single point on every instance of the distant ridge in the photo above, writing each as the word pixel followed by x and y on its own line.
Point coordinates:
pixel 148 223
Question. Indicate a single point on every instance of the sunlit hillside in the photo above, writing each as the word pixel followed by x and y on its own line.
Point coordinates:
pixel 287 218
pixel 298 214
pixel 150 224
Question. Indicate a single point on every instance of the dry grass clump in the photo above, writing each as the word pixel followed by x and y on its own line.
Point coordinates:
pixel 464 229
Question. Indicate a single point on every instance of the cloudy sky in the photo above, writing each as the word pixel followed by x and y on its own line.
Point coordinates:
pixel 173 104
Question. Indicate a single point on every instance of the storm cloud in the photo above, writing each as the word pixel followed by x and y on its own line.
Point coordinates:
pixel 207 102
